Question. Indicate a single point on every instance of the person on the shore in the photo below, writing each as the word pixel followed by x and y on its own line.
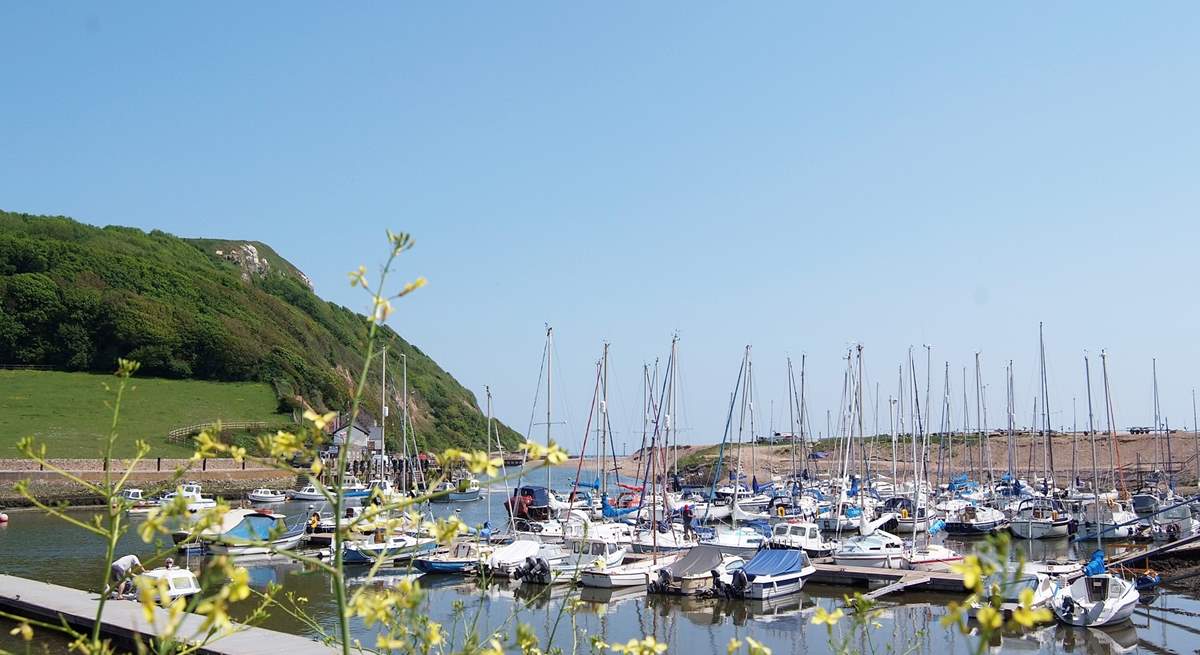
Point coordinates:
pixel 121 570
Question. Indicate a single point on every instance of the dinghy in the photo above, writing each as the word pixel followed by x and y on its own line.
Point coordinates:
pixel 1097 598
pixel 250 532
pixel 771 574
pixel 399 546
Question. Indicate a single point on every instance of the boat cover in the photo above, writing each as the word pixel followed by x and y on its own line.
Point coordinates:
pixel 700 559
pixel 515 552
pixel 775 562
pixel 538 496
pixel 254 527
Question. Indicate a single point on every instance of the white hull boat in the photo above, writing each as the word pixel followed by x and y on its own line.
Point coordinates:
pixel 696 572
pixel 879 550
pixel 636 574
pixel 1094 601
pixel 266 496
pixel 771 574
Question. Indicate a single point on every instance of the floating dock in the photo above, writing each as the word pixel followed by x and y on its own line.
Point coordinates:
pixel 123 620
pixel 885 581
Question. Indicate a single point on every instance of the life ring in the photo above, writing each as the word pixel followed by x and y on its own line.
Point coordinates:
pixel 780 511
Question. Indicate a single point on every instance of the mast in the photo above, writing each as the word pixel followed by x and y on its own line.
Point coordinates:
pixel 383 409
pixel 1114 450
pixel 979 413
pixel 1157 418
pixel 1087 372
pixel 549 389
pixel 1049 454
pixel 1196 435
pixel 603 418
pixel 1012 411
pixel 791 387
pixel 405 482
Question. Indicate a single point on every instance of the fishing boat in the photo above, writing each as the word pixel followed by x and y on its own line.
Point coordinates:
pixel 878 549
pixel 634 574
pixel 801 536
pixel 771 574
pixel 135 501
pixel 975 520
pixel 1095 599
pixel 695 572
pixel 190 492
pixel 1041 518
pixel 309 492
pixel 467 492
pixel 399 546
pixel 463 556
pixel 1173 523
pixel 264 495
pixel 250 532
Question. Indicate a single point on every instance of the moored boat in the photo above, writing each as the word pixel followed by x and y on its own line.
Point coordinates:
pixel 771 574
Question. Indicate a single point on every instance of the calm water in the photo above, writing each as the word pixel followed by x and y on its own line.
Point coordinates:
pixel 35 546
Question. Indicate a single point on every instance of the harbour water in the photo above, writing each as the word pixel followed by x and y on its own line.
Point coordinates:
pixel 35 546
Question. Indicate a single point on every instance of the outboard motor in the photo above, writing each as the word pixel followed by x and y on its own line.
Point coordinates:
pixel 524 569
pixel 740 581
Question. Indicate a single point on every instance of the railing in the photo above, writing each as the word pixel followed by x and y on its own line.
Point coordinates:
pixel 181 434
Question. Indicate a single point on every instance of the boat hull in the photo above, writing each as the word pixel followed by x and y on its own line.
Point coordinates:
pixel 873 560
pixel 1034 529
pixel 977 528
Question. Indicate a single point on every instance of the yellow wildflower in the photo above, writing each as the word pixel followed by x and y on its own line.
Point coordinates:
pixel 493 647
pixel 319 420
pixel 1027 617
pixel 825 617
pixel 433 634
pixel 411 287
pixel 972 572
pixel 23 629
pixel 481 462
pixel 733 647
pixel 989 618
pixel 316 467
pixel 358 277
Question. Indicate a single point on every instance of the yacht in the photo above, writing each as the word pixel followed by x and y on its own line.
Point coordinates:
pixel 801 536
pixel 1041 518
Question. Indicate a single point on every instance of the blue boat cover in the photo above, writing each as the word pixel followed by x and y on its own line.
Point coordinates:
pixel 255 527
pixel 775 562
pixel 1096 565
pixel 540 495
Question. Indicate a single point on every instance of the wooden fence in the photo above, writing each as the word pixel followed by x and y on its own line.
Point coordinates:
pixel 182 434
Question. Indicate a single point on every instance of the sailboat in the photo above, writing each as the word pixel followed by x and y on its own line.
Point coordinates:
pixel 1041 518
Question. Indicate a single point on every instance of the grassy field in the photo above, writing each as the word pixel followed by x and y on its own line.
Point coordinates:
pixel 70 413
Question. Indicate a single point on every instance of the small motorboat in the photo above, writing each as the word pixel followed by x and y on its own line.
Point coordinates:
pixel 135 501
pixel 400 546
pixel 1041 518
pixel 696 572
pixel 933 557
pixel 1096 600
pixel 743 542
pixel 190 492
pixel 250 532
pixel 801 536
pixel 467 492
pixel 635 574
pixel 462 557
pixel 309 492
pixel 878 549
pixel 505 560
pixel 582 553
pixel 180 583
pixel 771 574
pixel 264 495
pixel 1010 590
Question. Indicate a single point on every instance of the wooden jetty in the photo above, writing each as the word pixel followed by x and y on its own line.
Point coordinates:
pixel 885 581
pixel 124 620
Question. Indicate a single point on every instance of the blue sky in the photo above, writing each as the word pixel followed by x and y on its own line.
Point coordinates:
pixel 792 176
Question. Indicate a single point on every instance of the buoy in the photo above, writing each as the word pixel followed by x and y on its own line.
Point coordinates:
pixel 3 517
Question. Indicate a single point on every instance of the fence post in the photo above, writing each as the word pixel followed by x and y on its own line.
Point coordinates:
pixel 158 465
pixel 204 464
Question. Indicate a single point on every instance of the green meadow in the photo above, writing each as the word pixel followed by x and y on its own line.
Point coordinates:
pixel 71 412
